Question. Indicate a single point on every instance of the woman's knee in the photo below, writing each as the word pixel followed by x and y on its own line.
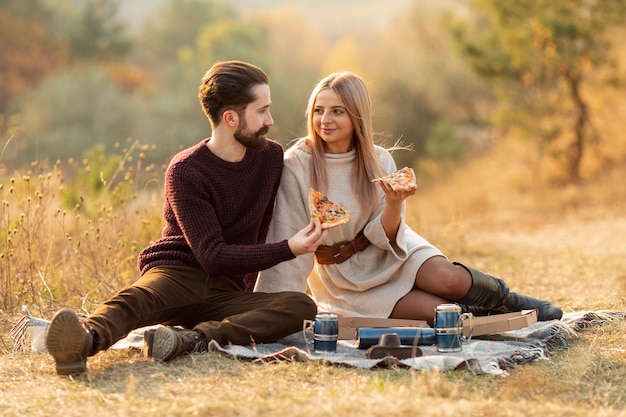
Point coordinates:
pixel 443 277
pixel 453 278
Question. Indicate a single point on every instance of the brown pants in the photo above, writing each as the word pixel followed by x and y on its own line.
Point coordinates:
pixel 214 306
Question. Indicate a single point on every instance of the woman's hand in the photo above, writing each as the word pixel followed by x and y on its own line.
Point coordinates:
pixel 395 198
pixel 392 213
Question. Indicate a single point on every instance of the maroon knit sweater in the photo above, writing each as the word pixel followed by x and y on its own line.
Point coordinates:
pixel 217 214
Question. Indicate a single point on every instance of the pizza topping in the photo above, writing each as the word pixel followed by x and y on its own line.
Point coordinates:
pixel 400 180
pixel 328 213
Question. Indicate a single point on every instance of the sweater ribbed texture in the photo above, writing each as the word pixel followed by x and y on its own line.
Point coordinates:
pixel 217 214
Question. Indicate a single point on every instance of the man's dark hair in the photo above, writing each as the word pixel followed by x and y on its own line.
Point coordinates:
pixel 228 86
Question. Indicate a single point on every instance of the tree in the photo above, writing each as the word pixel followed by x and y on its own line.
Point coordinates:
pixel 177 25
pixel 34 10
pixel 99 34
pixel 295 51
pixel 71 111
pixel 172 113
pixel 224 40
pixel 544 52
pixel 27 55
pixel 419 84
pixel 91 28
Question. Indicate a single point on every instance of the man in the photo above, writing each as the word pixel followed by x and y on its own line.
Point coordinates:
pixel 219 199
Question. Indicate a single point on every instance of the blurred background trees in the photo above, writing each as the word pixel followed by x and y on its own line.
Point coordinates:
pixel 547 56
pixel 449 78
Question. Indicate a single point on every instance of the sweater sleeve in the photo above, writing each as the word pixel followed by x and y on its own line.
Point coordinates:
pixel 193 207
pixel 374 231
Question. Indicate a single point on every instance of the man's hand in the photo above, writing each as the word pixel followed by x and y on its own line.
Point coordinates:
pixel 308 239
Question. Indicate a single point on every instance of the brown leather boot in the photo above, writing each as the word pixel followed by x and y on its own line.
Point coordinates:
pixel 69 341
pixel 169 343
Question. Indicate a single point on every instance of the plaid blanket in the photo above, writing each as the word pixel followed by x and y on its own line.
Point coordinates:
pixel 493 354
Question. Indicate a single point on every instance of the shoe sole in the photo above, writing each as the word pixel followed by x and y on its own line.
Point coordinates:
pixel 164 344
pixel 148 343
pixel 65 341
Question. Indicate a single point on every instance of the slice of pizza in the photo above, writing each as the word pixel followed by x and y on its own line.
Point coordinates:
pixel 400 180
pixel 328 213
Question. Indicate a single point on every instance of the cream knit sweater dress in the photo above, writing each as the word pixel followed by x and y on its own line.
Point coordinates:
pixel 368 284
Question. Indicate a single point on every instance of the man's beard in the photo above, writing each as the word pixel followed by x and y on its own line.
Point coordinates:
pixel 252 140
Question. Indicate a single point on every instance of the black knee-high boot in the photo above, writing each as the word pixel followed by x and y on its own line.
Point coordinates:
pixel 492 293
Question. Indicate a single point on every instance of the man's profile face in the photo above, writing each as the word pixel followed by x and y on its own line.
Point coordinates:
pixel 255 120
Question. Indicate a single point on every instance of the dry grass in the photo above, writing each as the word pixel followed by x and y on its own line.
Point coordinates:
pixel 562 244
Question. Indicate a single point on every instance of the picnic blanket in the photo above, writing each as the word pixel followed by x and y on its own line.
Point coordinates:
pixel 493 354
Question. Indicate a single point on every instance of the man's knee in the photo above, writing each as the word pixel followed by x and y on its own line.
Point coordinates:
pixel 300 304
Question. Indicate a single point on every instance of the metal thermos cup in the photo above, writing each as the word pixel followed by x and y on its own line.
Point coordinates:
pixel 325 332
pixel 449 327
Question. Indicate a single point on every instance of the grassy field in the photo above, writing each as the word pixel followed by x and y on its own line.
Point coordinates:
pixel 565 244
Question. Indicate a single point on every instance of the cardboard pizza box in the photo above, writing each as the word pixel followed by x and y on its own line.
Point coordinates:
pixel 499 323
pixel 349 325
pixel 482 325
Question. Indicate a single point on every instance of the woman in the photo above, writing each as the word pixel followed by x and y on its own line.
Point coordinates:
pixel 394 272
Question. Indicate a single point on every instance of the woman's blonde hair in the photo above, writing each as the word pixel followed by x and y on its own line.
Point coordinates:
pixel 353 93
